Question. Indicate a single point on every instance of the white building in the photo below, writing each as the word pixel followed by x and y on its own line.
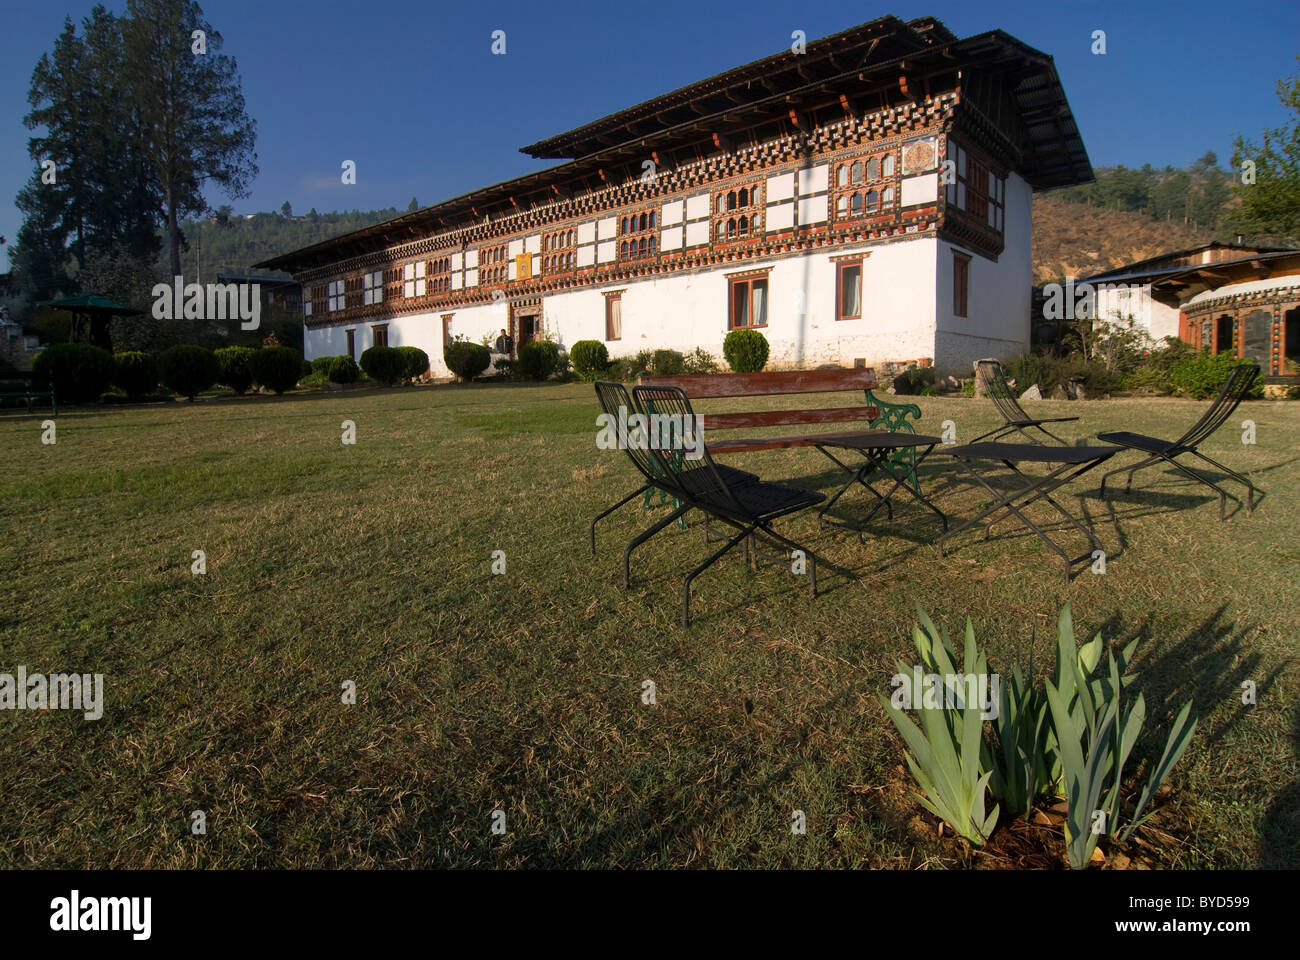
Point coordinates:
pixel 865 201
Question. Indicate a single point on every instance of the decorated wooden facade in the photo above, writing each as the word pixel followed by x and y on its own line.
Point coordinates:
pixel 864 200
pixel 1218 297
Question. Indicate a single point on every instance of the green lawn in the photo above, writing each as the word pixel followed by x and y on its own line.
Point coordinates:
pixel 522 692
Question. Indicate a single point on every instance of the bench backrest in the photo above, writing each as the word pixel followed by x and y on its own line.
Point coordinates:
pixel 707 386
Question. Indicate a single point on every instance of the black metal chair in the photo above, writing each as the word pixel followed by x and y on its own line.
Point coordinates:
pixel 1234 390
pixel 616 403
pixel 748 507
pixel 1014 416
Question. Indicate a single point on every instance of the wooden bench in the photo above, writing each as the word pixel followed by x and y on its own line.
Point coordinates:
pixel 775 383
pixel 9 389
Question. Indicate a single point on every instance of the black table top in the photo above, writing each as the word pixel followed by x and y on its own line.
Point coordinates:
pixel 1031 452
pixel 882 440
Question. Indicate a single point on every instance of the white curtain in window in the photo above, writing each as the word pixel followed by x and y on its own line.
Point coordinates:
pixel 615 318
pixel 851 292
pixel 760 303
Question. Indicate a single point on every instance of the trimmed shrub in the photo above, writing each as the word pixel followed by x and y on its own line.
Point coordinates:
pixel 538 360
pixel 342 369
pixel 321 364
pixel 276 368
pixel 383 364
pixel 414 362
pixel 465 359
pixel 1202 375
pixel 232 368
pixel 914 381
pixel 700 361
pixel 136 373
pixel 78 371
pixel 667 363
pixel 188 370
pixel 590 359
pixel 745 351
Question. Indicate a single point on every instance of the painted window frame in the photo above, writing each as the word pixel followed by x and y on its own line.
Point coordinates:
pixel 961 284
pixel 748 279
pixel 379 335
pixel 849 263
pixel 612 298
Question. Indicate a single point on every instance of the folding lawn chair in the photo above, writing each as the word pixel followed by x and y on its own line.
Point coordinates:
pixel 1014 417
pixel 749 507
pixel 1234 391
pixel 616 403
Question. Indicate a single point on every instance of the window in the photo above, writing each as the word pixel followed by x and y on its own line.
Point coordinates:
pixel 748 306
pixel 614 316
pixel 306 305
pixel 848 290
pixel 336 296
pixel 439 275
pixel 492 265
pixel 976 189
pixel 960 283
pixel 861 188
pixel 558 251
pixel 639 237
pixel 413 279
pixel 446 330
pixel 352 344
pixel 380 335
pixel 373 284
pixel 738 212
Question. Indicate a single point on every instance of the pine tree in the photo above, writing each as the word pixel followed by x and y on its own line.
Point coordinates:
pixel 192 109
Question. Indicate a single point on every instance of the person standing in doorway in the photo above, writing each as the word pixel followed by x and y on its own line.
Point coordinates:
pixel 504 344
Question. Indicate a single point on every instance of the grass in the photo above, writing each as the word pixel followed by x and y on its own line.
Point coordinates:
pixel 372 563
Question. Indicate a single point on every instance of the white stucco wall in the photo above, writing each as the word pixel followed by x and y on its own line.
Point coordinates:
pixel 685 311
pixel 999 293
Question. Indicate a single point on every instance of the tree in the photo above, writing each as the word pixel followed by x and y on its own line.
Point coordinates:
pixel 286 210
pixel 1271 205
pixel 191 105
pixel 413 205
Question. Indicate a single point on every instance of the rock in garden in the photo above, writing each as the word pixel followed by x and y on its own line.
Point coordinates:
pixel 1033 393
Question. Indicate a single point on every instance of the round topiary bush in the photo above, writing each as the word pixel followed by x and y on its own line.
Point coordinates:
pixel 188 370
pixel 276 368
pixel 414 362
pixel 232 368
pixel 667 363
pixel 383 364
pixel 745 350
pixel 136 373
pixel 342 369
pixel 590 358
pixel 78 372
pixel 538 359
pixel 466 360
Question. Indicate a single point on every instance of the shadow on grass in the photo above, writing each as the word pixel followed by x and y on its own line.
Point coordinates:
pixel 1208 665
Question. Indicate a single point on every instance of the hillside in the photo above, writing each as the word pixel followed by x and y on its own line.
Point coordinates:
pixel 1074 239
pixel 232 243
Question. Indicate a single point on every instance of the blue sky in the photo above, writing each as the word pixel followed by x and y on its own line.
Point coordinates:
pixel 412 93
